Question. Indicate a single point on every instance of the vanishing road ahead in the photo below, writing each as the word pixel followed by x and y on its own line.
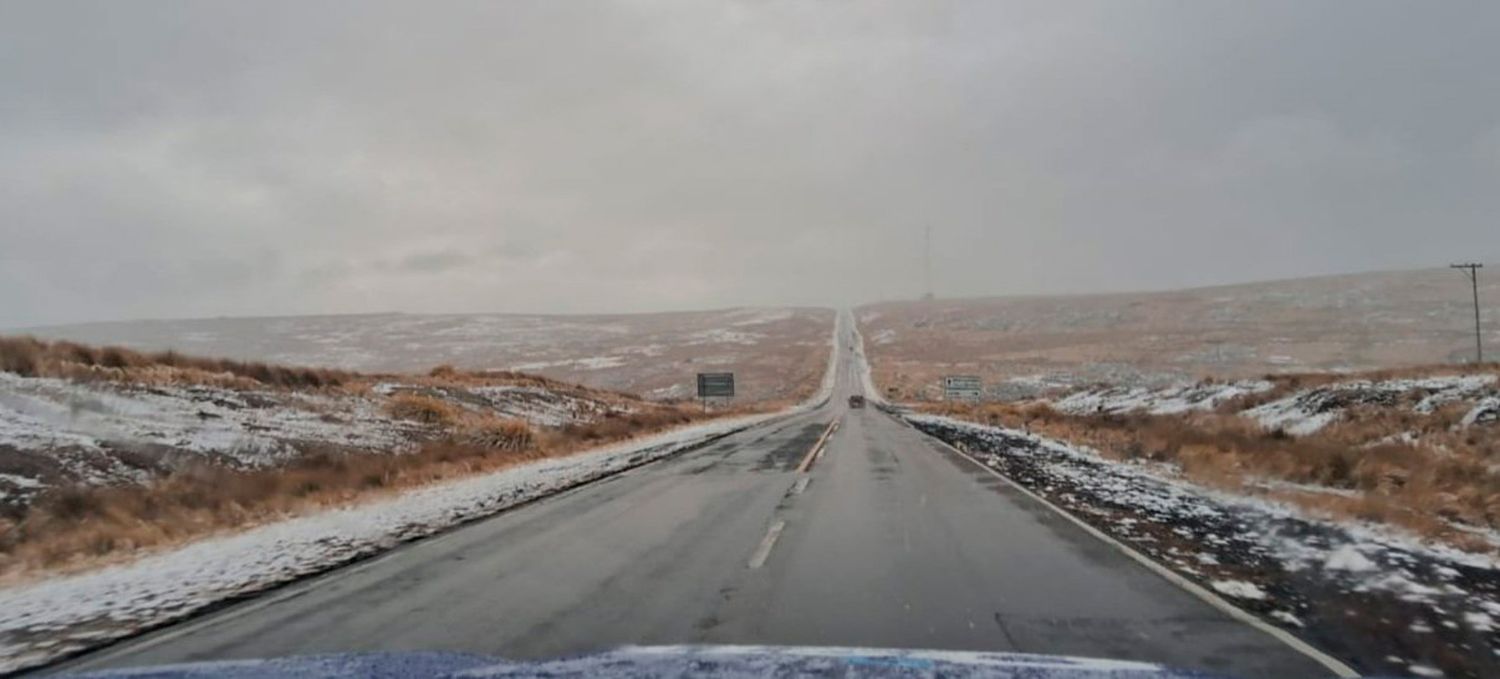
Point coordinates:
pixel 888 540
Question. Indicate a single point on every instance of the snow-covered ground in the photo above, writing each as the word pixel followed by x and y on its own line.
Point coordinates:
pixel 47 619
pixel 1383 597
pixel 57 432
pixel 1302 412
pixel 1486 411
pixel 636 353
pixel 44 620
pixel 1309 410
pixel 539 406
pixel 1179 398
pixel 254 428
pixel 584 363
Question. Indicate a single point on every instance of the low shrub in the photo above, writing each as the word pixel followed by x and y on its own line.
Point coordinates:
pixel 1442 476
pixel 501 434
pixel 419 408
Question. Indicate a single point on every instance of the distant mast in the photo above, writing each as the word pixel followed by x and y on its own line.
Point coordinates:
pixel 927 294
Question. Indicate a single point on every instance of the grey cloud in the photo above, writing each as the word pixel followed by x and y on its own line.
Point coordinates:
pixel 435 262
pixel 214 158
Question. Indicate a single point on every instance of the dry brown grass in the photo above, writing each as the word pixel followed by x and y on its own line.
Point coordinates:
pixel 420 408
pixel 500 434
pixel 1355 322
pixel 80 527
pixel 1444 481
pixel 1286 384
pixel 76 526
pixel 30 357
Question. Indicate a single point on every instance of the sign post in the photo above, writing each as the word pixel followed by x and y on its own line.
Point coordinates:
pixel 963 388
pixel 715 385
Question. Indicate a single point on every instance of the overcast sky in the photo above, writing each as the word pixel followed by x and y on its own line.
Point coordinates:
pixel 203 159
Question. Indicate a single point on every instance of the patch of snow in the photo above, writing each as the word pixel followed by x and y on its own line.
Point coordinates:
pixel 21 481
pixel 537 405
pixel 678 390
pixel 723 336
pixel 762 317
pixel 1287 617
pixel 1284 485
pixel 1348 558
pixel 1486 411
pixel 585 363
pixel 1238 589
pixel 1424 671
pixel 1479 622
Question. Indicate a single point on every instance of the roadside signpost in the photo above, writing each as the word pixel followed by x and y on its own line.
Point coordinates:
pixel 715 385
pixel 963 388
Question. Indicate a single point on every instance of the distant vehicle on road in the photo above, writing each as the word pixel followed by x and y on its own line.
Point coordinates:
pixel 856 401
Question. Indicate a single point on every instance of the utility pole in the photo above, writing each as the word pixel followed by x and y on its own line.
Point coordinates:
pixel 1472 271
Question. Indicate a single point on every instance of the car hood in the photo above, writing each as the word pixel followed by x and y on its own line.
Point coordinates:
pixel 670 661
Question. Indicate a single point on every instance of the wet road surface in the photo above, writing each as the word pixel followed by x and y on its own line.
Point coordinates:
pixel 889 539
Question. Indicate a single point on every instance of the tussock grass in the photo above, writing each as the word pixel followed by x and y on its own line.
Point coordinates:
pixel 420 408
pixel 77 527
pixel 1439 482
pixel 31 357
pixel 81 525
pixel 500 434
pixel 74 528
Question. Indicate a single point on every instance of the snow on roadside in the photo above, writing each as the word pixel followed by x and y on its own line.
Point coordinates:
pixel 1428 598
pixel 1239 589
pixel 47 619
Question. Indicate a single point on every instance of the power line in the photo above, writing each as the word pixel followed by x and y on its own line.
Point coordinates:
pixel 1472 271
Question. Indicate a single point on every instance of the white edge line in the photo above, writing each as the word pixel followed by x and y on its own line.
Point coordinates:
pixel 1333 664
pixel 763 552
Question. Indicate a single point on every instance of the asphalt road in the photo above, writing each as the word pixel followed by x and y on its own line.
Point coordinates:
pixel 888 540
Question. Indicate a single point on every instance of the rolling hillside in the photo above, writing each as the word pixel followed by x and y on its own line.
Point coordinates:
pixel 1335 323
pixel 776 353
